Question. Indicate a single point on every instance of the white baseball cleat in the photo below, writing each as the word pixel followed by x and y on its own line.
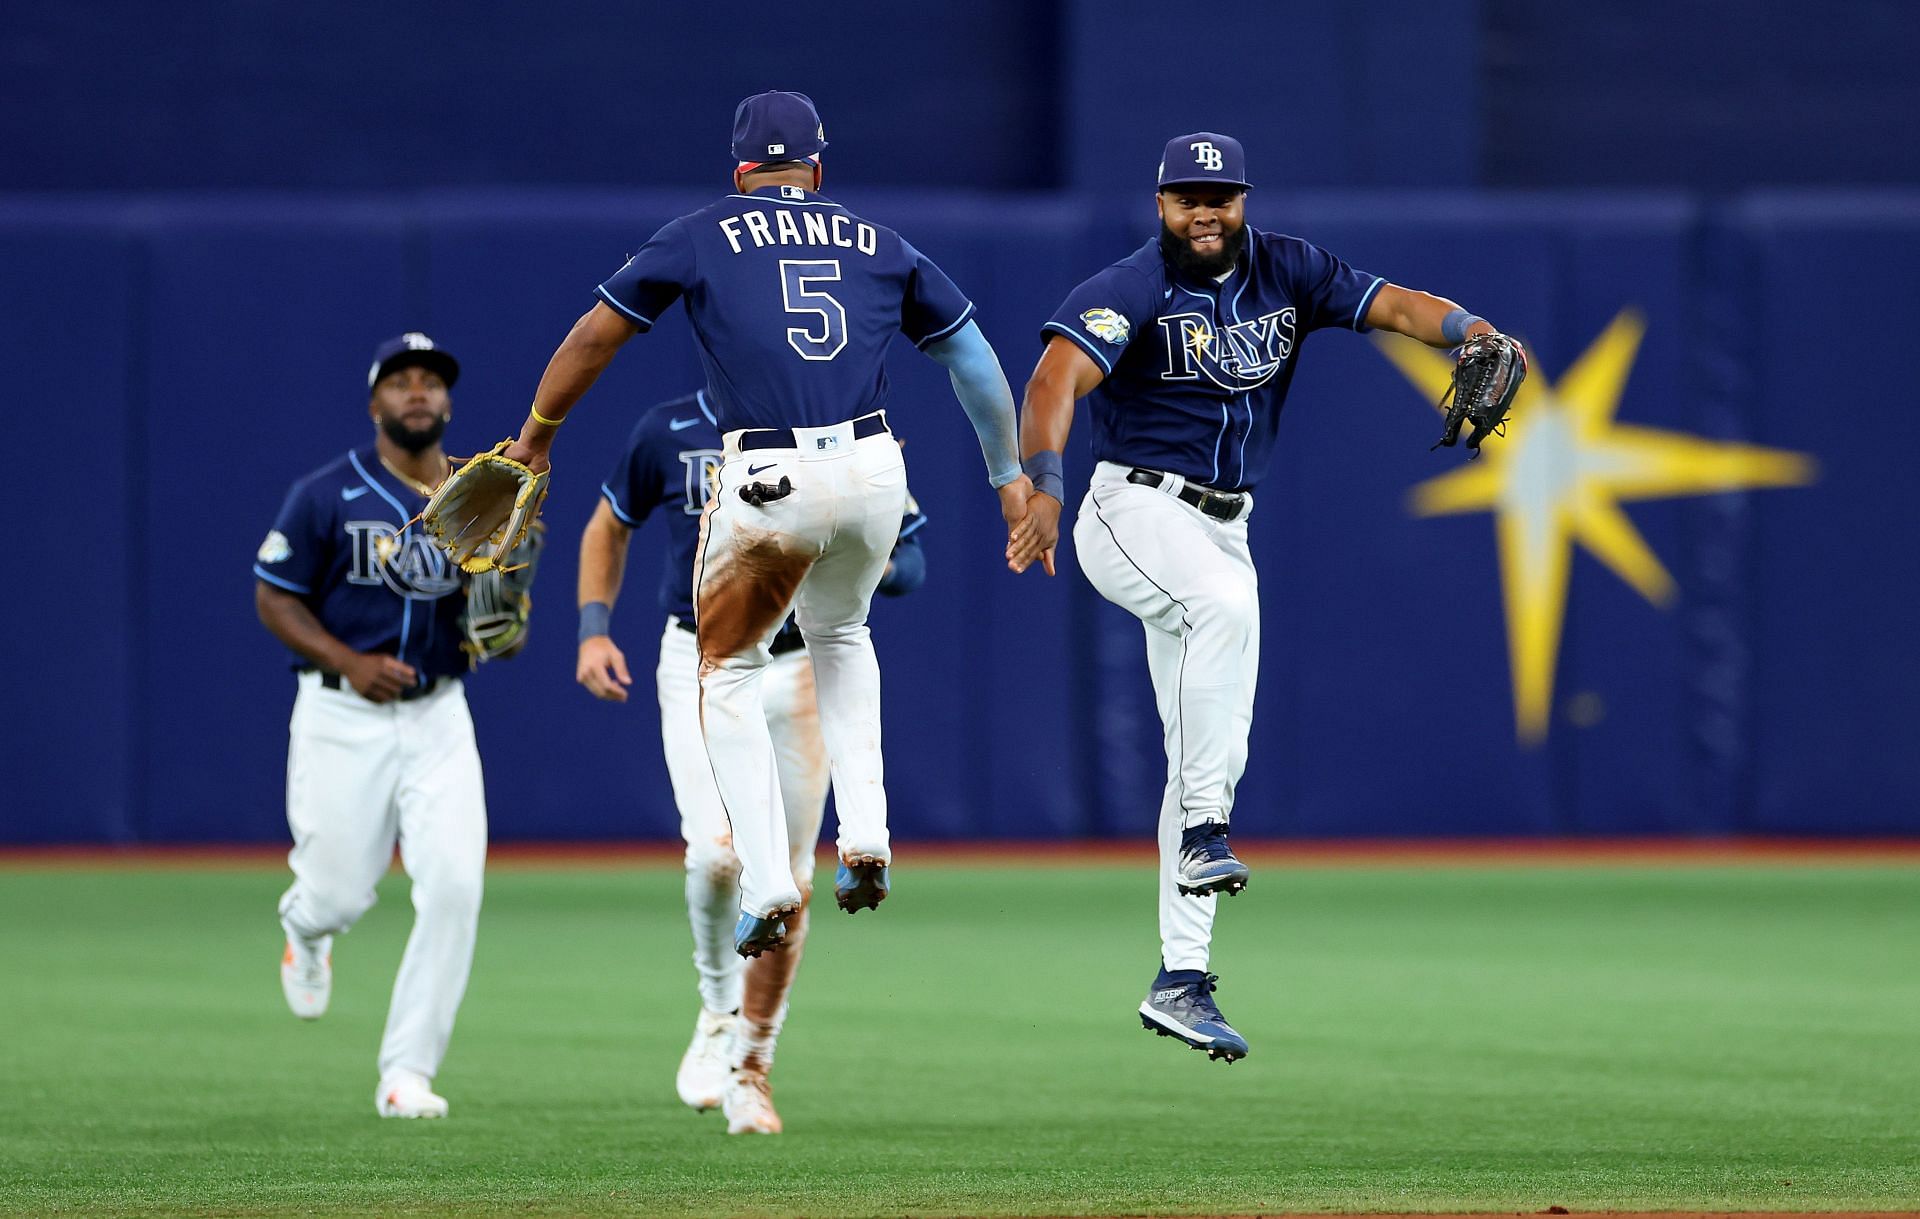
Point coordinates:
pixel 306 976
pixel 702 1080
pixel 749 1104
pixel 404 1094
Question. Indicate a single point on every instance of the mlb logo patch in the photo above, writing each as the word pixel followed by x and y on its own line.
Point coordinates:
pixel 826 442
pixel 775 150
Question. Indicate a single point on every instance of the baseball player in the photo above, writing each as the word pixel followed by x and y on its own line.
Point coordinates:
pixel 794 301
pixel 668 464
pixel 381 745
pixel 1185 349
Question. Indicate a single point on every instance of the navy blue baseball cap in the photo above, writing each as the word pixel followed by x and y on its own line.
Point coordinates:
pixel 1204 156
pixel 409 349
pixel 777 126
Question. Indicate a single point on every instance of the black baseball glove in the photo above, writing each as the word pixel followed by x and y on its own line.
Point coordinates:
pixel 1489 374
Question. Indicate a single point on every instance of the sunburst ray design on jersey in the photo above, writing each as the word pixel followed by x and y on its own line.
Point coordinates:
pixel 1559 478
pixel 1200 342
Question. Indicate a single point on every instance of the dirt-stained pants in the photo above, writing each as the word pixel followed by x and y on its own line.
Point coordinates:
pixel 819 551
pixel 713 870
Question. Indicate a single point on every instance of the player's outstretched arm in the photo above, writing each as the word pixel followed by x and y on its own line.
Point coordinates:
pixel 982 389
pixel 601 666
pixel 582 356
pixel 374 677
pixel 1434 320
pixel 1064 375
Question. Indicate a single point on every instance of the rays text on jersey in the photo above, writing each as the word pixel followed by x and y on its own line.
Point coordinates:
pixel 1243 356
pixel 405 561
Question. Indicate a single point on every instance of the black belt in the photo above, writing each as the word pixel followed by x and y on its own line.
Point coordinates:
pixel 333 681
pixel 783 438
pixel 1220 505
pixel 788 640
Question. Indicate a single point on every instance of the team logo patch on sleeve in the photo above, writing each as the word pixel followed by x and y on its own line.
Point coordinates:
pixel 276 549
pixel 1106 324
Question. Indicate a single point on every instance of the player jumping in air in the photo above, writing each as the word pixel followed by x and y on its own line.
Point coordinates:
pixel 381 749
pixel 1185 349
pixel 794 301
pixel 667 465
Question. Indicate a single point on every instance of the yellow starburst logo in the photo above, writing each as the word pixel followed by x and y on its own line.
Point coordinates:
pixel 1200 343
pixel 1559 478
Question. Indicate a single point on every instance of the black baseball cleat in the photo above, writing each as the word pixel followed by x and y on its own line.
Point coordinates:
pixel 758 933
pixel 860 884
pixel 1207 864
pixel 1180 1004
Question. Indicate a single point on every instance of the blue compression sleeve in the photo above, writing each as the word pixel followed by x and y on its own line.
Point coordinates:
pixel 982 390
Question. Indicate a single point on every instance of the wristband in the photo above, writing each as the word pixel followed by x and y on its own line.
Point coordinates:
pixel 1453 327
pixel 543 420
pixel 1044 468
pixel 596 618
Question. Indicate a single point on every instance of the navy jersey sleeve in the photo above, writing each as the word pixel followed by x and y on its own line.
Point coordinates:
pixel 633 487
pixel 1326 290
pixel 296 553
pixel 1104 314
pixel 933 307
pixel 652 279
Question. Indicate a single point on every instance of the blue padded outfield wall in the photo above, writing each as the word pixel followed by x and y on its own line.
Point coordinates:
pixel 174 364
pixel 210 213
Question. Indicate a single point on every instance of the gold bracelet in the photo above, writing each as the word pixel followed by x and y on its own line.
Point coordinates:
pixel 542 419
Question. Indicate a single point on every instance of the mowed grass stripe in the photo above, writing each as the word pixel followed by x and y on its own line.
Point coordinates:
pixel 1503 1039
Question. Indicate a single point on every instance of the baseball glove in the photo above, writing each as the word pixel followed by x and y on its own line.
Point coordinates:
pixel 484 509
pixel 500 600
pixel 1489 374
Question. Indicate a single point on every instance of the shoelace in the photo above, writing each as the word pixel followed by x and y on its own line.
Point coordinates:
pixel 718 1051
pixel 309 970
pixel 1200 995
pixel 756 1081
pixel 1211 848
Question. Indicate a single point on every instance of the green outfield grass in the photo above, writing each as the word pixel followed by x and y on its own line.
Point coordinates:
pixel 1713 1038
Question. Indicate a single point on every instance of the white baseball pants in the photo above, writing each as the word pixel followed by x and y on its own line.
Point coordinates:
pixel 713 870
pixel 361 776
pixel 820 551
pixel 1190 580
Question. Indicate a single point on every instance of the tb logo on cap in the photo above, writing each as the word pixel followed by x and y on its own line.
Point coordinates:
pixel 1205 155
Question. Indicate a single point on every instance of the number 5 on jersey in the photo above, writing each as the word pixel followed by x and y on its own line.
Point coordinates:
pixel 823 338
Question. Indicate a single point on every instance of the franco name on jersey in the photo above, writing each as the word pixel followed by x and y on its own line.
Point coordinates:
pixel 806 229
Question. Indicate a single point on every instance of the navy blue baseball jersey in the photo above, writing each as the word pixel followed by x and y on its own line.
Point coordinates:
pixel 341 543
pixel 669 462
pixel 1197 372
pixel 793 301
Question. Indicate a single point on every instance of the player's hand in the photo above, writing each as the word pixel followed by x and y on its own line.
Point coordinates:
pixel 377 677
pixel 602 669
pixel 1013 501
pixel 531 456
pixel 1035 535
